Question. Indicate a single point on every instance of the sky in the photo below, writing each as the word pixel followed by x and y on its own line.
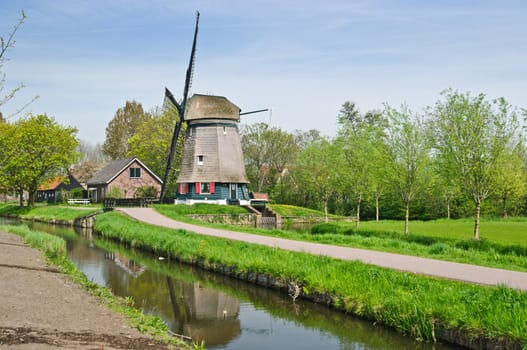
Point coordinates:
pixel 300 59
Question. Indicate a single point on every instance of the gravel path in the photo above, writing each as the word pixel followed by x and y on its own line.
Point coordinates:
pixel 40 308
pixel 423 266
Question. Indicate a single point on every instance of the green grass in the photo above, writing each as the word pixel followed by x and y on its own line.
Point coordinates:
pixel 200 209
pixel 53 247
pixel 411 304
pixel 45 212
pixel 512 231
pixel 291 210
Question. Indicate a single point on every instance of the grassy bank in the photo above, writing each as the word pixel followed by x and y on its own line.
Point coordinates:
pixel 46 212
pixel 484 252
pixel 425 308
pixel 54 248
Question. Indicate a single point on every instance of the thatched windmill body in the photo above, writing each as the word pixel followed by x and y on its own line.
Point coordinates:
pixel 213 168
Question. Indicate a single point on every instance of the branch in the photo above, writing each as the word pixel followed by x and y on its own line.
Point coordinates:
pixel 4 45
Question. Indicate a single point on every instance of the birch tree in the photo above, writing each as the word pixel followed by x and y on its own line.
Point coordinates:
pixel 408 155
pixel 472 136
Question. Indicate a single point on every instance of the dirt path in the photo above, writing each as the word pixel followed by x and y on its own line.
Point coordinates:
pixel 40 308
pixel 423 266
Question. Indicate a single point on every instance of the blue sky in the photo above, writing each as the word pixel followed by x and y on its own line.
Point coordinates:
pixel 302 59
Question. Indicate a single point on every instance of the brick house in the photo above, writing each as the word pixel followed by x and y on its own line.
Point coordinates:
pixel 123 176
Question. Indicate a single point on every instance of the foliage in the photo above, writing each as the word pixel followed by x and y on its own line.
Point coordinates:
pixel 363 156
pixel 114 192
pixel 151 144
pixel 472 136
pixel 267 153
pixel 314 173
pixel 408 151
pixel 35 149
pixel 412 304
pixel 125 123
pixel 146 192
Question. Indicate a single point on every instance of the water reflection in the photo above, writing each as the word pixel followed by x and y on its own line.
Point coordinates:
pixel 224 312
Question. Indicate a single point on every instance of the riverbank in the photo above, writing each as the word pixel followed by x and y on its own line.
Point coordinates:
pixel 431 309
pixel 42 308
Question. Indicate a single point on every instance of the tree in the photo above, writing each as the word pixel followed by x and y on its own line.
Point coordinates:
pixel 39 149
pixel 315 172
pixel 7 152
pixel 267 153
pixel 359 139
pixel 471 139
pixel 511 178
pixel 408 155
pixel 151 144
pixel 126 122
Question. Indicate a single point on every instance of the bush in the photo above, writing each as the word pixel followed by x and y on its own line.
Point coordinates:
pixel 325 228
pixel 438 248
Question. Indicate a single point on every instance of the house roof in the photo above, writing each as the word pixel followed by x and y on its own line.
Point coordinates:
pixel 52 183
pixel 66 182
pixel 116 167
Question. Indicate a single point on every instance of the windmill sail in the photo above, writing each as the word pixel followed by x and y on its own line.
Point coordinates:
pixel 170 102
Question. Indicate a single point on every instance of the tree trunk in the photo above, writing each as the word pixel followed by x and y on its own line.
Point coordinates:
pixel 326 210
pixel 448 208
pixel 505 214
pixel 376 207
pixel 21 196
pixel 357 222
pixel 406 218
pixel 476 221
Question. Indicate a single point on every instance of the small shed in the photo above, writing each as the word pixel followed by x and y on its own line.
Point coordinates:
pixel 52 190
pixel 124 177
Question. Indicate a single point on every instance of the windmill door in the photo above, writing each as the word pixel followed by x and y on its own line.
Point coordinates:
pixel 234 192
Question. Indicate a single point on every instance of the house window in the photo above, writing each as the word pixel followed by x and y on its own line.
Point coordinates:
pixel 200 160
pixel 205 187
pixel 135 172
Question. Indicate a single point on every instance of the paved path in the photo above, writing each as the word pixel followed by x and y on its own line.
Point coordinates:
pixel 424 266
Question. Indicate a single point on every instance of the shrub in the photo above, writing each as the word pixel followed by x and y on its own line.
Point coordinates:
pixel 327 227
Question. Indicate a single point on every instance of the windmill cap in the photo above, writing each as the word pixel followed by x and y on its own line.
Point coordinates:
pixel 208 107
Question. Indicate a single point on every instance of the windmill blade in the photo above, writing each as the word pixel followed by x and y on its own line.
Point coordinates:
pixel 170 105
pixel 190 69
pixel 170 102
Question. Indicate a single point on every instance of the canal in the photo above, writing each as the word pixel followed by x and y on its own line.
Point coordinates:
pixel 223 312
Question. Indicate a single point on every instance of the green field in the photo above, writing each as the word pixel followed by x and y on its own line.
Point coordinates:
pixel 512 231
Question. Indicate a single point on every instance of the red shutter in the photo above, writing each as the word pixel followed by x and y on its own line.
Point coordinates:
pixel 179 188
pixel 212 188
pixel 198 188
pixel 184 188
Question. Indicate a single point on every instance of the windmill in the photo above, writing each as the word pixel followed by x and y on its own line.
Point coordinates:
pixel 212 168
